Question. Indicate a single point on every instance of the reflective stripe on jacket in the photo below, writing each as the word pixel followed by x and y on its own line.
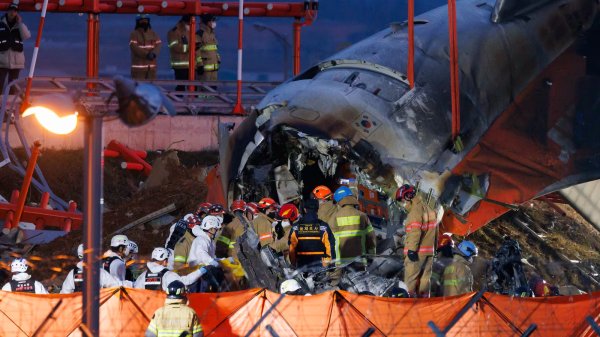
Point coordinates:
pixel 263 227
pixel 352 230
pixel 182 249
pixel 310 242
pixel 225 245
pixel 421 228
pixel 141 44
pixel 457 278
pixel 175 318
pixel 179 52
pixel 207 48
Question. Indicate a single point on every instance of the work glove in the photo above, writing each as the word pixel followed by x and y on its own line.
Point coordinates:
pixel 412 255
pixel 150 56
pixel 214 263
pixel 184 39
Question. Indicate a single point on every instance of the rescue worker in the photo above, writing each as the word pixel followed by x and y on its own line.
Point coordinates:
pixel 175 318
pixel 225 245
pixel 131 270
pixel 179 49
pixel 12 34
pixel 326 207
pixel 207 54
pixel 202 254
pixel 74 280
pixel 184 245
pixel 354 236
pixel 21 281
pixel 458 278
pixel 443 258
pixel 251 211
pixel 145 46
pixel 263 223
pixel 158 276
pixel 288 214
pixel 420 240
pixel 203 210
pixel 114 259
pixel 311 240
pixel 218 211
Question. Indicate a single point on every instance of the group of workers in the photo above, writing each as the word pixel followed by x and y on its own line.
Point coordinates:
pixel 145 45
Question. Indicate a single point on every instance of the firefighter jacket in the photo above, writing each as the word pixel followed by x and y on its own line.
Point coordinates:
pixel 263 227
pixel 421 228
pixel 352 231
pixel 458 278
pixel 182 249
pixel 202 252
pixel 141 44
pixel 11 44
pixel 207 54
pixel 158 277
pixel 437 273
pixel 22 283
pixel 311 242
pixel 74 280
pixel 179 47
pixel 225 245
pixel 281 245
pixel 175 318
pixel 326 211
pixel 114 264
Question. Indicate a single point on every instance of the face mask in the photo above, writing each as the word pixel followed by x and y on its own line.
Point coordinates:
pixel 285 223
pixel 144 26
pixel 213 25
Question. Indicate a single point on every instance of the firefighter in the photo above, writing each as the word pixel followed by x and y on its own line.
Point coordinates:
pixel 179 49
pixel 184 245
pixel 12 34
pixel 114 259
pixel 203 210
pixel 444 255
pixel 311 240
pixel 225 245
pixel 263 223
pixel 326 207
pixel 421 232
pixel 352 230
pixel 251 211
pixel 145 46
pixel 458 278
pixel 21 281
pixel 74 280
pixel 207 54
pixel 175 318
pixel 288 214
pixel 158 276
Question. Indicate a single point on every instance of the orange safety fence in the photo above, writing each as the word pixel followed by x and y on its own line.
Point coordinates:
pixel 127 312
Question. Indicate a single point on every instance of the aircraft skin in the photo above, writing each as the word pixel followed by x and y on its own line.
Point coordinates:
pixel 360 98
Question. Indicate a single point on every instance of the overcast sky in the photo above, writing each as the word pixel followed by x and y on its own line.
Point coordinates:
pixel 340 24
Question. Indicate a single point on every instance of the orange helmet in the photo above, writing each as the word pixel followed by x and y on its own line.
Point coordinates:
pixel 252 207
pixel 289 211
pixel 321 192
pixel 445 240
pixel 238 205
pixel 266 203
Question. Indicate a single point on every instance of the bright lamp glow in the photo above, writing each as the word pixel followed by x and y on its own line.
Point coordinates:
pixel 51 121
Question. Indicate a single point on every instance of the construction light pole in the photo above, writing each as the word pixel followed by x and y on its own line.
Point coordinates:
pixel 285 44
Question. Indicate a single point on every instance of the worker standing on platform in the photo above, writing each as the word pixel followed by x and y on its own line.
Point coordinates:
pixel 175 318
pixel 420 240
pixel 74 280
pixel 145 46
pixel 207 53
pixel 179 49
pixel 21 281
pixel 12 34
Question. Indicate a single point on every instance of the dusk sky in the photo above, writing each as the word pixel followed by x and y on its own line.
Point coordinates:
pixel 340 24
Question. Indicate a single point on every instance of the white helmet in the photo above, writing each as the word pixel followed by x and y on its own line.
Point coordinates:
pixel 289 286
pixel 19 265
pixel 210 221
pixel 119 240
pixel 133 247
pixel 160 254
pixel 80 251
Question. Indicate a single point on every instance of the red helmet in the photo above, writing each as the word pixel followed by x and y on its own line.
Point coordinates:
pixel 266 203
pixel 252 207
pixel 289 211
pixel 238 205
pixel 406 192
pixel 216 209
pixel 445 240
pixel 321 192
pixel 192 220
pixel 541 288
pixel 203 208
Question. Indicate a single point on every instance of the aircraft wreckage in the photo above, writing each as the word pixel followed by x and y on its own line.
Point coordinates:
pixel 527 124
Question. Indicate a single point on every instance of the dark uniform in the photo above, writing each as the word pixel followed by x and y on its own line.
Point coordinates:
pixel 310 243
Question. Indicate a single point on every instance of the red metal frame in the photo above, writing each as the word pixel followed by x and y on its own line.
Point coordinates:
pixel 35 152
pixel 41 216
pixel 134 160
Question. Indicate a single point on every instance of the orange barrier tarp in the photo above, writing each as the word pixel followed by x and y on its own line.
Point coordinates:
pixel 126 312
